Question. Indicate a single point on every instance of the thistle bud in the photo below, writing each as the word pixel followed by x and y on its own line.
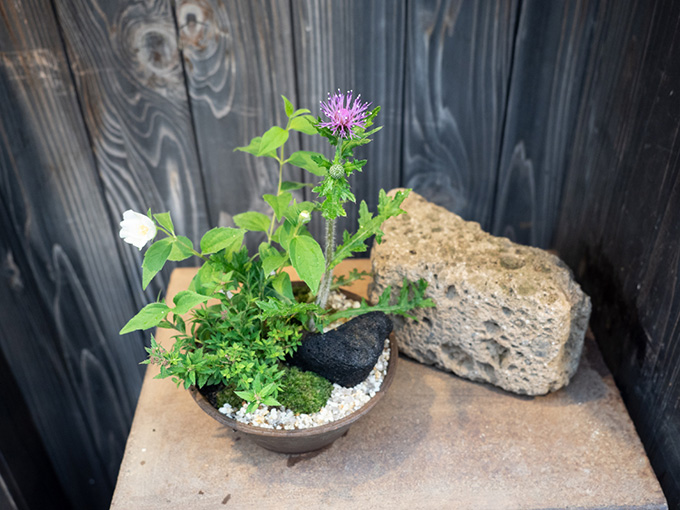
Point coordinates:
pixel 336 171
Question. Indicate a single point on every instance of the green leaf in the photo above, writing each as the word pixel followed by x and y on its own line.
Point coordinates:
pixel 254 148
pixel 252 220
pixel 293 186
pixel 271 401
pixel 246 395
pixel 336 192
pixel 271 258
pixel 164 221
pixel 182 249
pixel 300 111
pixel 288 105
pixel 274 138
pixel 148 317
pixel 210 279
pixel 307 259
pixel 284 234
pixel 303 159
pixel 293 211
pixel 282 285
pixel 369 225
pixel 186 300
pixel 411 296
pixel 303 124
pixel 221 238
pixel 278 203
pixel 155 258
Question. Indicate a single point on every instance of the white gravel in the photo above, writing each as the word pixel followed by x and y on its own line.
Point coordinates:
pixel 343 401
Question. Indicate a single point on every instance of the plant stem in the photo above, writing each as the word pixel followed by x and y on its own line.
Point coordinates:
pixel 278 191
pixel 327 279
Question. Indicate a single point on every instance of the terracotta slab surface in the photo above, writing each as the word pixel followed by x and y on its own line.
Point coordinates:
pixel 436 441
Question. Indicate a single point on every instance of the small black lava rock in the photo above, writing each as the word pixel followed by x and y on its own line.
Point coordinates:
pixel 346 354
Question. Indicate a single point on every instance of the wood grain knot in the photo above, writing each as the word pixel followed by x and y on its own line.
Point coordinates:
pixel 157 48
pixel 198 29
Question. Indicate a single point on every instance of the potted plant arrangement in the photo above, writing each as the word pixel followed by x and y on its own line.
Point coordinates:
pixel 255 344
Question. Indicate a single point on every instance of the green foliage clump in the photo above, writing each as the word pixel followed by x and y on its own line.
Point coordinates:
pixel 304 392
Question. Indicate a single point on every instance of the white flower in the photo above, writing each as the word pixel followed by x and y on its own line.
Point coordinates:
pixel 136 229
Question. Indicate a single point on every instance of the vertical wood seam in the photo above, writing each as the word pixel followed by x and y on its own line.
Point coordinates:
pixel 519 10
pixel 190 108
pixel 296 87
pixel 405 64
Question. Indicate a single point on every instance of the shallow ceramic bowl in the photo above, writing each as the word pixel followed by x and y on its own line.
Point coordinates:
pixel 304 440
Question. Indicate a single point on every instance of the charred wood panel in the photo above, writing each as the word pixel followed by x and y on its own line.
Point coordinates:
pixel 620 219
pixel 127 69
pixel 459 57
pixel 27 479
pixel 553 42
pixel 80 381
pixel 238 59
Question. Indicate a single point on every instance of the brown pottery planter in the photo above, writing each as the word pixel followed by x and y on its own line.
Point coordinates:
pixel 303 440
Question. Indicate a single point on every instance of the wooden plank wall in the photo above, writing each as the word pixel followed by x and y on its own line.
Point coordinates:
pixel 619 225
pixel 553 43
pixel 459 59
pixel 494 109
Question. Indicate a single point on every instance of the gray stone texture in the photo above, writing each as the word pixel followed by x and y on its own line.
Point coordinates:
pixel 506 314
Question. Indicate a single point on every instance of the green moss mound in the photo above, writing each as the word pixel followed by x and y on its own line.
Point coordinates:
pixel 304 392
pixel 227 396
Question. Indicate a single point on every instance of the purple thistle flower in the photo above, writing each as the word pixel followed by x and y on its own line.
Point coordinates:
pixel 343 117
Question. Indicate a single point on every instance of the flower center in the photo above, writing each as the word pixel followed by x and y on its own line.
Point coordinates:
pixel 343 116
pixel 143 230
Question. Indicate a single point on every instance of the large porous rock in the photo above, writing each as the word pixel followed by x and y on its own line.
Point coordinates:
pixel 506 314
pixel 347 354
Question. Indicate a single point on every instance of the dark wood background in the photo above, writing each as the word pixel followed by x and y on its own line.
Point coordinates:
pixel 553 123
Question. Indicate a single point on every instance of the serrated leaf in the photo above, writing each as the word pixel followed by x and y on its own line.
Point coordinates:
pixel 303 124
pixel 304 160
pixel 282 285
pixel 165 221
pixel 148 317
pixel 278 203
pixel 221 238
pixel 253 221
pixel 274 138
pixel 154 259
pixel 369 225
pixel 307 258
pixel 288 106
pixel 186 300
pixel 182 249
